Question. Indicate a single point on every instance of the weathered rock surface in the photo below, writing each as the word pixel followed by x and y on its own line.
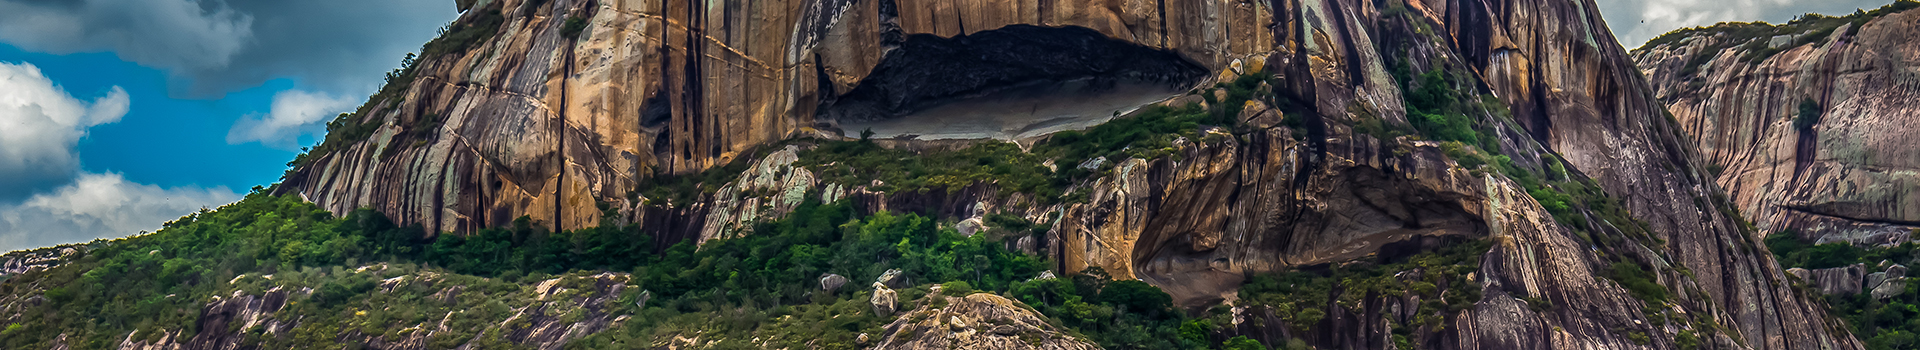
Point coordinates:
pixel 883 300
pixel 977 321
pixel 1852 175
pixel 533 123
pixel 540 125
pixel 832 282
pixel 1844 280
pixel 19 262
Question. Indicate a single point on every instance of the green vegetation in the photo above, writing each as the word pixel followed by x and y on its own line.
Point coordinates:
pixel 682 190
pixel 573 27
pixel 1893 323
pixel 1434 111
pixel 1809 115
pixel 1753 38
pixel 1302 297
pixel 904 171
pixel 461 36
pixel 1126 314
pixel 1148 134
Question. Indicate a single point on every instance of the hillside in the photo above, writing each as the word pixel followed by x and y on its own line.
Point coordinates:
pixel 567 174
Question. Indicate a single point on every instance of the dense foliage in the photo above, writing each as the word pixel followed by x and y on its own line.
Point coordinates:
pixel 1303 297
pixel 762 285
pixel 1893 323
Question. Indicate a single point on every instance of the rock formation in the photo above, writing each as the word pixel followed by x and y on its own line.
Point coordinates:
pixel 977 321
pixel 1845 173
pixel 529 121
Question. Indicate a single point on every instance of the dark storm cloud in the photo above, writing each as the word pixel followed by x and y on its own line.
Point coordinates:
pixel 217 46
pixel 1636 21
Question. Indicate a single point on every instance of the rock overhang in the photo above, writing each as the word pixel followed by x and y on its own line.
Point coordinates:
pixel 1014 82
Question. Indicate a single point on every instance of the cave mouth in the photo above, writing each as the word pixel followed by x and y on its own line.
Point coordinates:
pixel 1011 83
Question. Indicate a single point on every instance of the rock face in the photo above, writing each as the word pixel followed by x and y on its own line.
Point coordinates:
pixel 541 125
pixel 529 122
pixel 1850 174
pixel 977 321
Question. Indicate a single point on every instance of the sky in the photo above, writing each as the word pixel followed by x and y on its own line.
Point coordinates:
pixel 119 115
pixel 1634 22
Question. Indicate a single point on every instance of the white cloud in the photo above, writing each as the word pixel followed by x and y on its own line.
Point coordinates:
pixel 39 126
pixel 100 206
pixel 165 33
pixel 294 113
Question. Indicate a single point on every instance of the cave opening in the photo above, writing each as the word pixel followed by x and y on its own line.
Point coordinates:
pixel 1011 83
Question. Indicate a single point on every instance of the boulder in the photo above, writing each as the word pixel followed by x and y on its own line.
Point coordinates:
pixel 1889 289
pixel 970 226
pixel 1844 280
pixel 883 300
pixel 893 278
pixel 832 282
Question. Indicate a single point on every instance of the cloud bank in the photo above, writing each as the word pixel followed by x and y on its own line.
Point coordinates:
pixel 99 206
pixel 215 46
pixel 39 126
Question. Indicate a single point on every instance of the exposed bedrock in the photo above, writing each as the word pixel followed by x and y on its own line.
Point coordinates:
pixel 1853 174
pixel 533 123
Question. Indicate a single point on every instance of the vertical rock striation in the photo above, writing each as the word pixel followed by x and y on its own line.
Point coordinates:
pixel 530 122
pixel 1844 174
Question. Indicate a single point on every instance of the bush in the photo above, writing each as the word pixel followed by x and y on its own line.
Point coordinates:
pixel 1809 115
pixel 956 288
pixel 1637 281
pixel 573 27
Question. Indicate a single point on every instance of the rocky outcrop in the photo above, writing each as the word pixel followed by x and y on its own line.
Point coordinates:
pixel 535 123
pixel 1854 279
pixel 1845 280
pixel 769 188
pixel 529 122
pixel 1846 174
pixel 546 315
pixel 976 321
pixel 24 261
pixel 883 300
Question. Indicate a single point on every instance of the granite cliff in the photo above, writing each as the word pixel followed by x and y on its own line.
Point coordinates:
pixel 1808 125
pixel 1351 141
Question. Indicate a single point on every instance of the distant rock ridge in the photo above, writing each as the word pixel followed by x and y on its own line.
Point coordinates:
pixel 1849 171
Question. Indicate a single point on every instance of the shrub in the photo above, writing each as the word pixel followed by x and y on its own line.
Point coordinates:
pixel 956 288
pixel 1637 281
pixel 1809 115
pixel 573 27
